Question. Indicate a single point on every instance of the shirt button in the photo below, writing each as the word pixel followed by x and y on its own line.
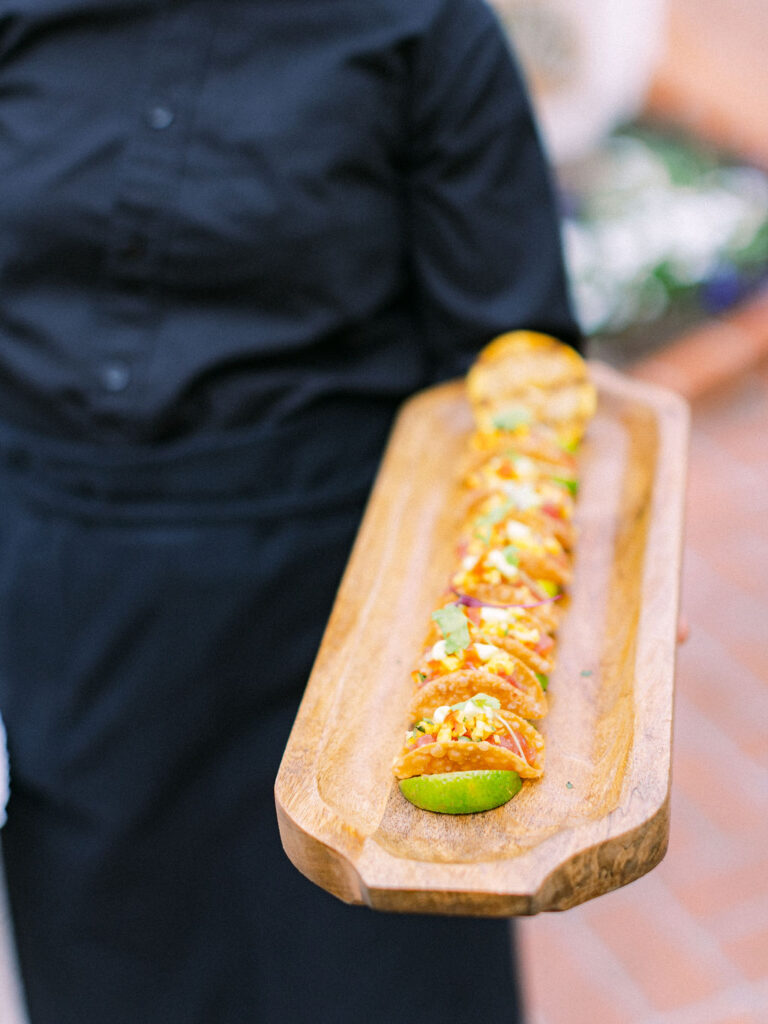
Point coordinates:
pixel 160 117
pixel 115 376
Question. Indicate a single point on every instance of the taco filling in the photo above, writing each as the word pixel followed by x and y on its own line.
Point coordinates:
pixel 472 733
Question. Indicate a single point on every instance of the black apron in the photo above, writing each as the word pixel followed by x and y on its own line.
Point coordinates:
pixel 161 608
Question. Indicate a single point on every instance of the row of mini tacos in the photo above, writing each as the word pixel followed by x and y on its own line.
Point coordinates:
pixel 483 675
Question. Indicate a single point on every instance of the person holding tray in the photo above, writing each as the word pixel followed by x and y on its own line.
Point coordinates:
pixel 233 238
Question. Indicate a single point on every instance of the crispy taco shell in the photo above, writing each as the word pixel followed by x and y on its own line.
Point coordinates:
pixel 457 756
pixel 535 660
pixel 543 447
pixel 526 698
pixel 538 661
pixel 523 594
pixel 549 457
pixel 535 372
pixel 555 568
pixel 557 524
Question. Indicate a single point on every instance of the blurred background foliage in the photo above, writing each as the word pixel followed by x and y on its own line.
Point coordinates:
pixel 664 192
pixel 660 231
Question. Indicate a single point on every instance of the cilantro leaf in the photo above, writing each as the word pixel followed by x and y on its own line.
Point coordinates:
pixel 511 417
pixel 480 700
pixel 495 515
pixel 483 534
pixel 567 482
pixel 484 701
pixel 511 554
pixel 453 624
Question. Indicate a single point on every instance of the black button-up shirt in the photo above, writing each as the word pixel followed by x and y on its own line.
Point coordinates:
pixel 214 212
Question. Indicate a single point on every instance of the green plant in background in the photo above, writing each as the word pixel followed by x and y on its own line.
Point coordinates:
pixel 660 230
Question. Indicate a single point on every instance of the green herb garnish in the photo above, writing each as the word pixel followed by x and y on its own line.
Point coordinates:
pixel 543 681
pixel 480 700
pixel 483 534
pixel 568 482
pixel 495 515
pixel 484 524
pixel 549 587
pixel 454 626
pixel 511 417
pixel 511 554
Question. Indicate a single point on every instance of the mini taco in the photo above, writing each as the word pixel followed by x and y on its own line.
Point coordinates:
pixel 544 444
pixel 497 578
pixel 511 464
pixel 528 702
pixel 525 377
pixel 516 631
pixel 469 735
pixel 526 457
pixel 533 549
pixel 524 595
pixel 513 629
pixel 501 489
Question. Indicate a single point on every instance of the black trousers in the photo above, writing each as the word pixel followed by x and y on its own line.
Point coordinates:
pixel 159 613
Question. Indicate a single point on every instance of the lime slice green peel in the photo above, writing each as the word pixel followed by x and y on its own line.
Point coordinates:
pixel 461 792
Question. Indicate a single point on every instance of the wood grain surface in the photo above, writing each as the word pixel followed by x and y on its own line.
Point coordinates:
pixel 599 817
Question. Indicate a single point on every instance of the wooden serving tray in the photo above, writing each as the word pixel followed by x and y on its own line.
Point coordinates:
pixel 599 817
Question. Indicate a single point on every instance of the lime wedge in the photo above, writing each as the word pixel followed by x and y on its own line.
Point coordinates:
pixel 461 792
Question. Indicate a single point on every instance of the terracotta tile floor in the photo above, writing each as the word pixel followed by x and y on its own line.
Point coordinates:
pixel 688 943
